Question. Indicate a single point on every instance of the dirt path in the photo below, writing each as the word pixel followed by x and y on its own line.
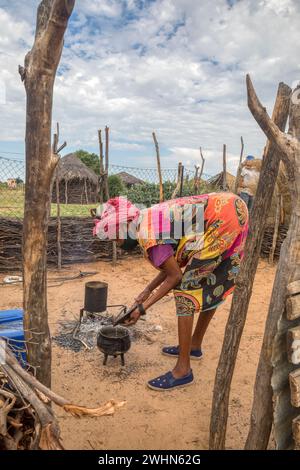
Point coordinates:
pixel 149 420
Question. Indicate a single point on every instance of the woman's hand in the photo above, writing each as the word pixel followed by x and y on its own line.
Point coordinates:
pixel 143 296
pixel 134 316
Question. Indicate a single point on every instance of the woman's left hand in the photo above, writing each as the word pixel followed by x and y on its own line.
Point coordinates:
pixel 134 317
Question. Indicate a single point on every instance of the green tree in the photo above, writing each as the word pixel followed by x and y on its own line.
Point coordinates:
pixel 116 186
pixel 91 160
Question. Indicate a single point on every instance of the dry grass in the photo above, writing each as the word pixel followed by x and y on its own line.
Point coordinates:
pixel 12 205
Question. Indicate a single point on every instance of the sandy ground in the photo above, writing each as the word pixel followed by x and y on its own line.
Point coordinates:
pixel 149 420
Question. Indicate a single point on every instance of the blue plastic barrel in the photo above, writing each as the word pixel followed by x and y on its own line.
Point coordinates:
pixel 11 328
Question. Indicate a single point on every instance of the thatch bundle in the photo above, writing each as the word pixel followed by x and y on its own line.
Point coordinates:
pixel 217 181
pixel 78 184
pixel 282 190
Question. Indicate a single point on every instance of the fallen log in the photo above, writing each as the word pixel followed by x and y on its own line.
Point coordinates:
pixel 27 420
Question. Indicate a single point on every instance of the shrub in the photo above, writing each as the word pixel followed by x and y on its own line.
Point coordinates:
pixel 116 186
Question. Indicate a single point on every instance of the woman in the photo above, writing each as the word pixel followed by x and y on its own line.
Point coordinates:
pixel 200 264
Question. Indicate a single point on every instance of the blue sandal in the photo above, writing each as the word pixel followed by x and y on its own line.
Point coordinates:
pixel 173 351
pixel 169 382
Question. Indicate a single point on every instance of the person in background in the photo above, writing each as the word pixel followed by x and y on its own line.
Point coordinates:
pixel 249 180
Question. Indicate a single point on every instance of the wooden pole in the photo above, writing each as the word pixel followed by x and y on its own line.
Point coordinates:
pixel 196 180
pixel 38 75
pixel 58 224
pixel 198 174
pixel 244 283
pixel 239 170
pixel 56 151
pixel 276 227
pixel 202 164
pixel 106 189
pixel 101 158
pixel 287 272
pixel 114 244
pixel 179 177
pixel 224 182
pixel 161 189
pixel 181 181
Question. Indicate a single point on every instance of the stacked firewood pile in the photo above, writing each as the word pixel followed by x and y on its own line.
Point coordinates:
pixel 268 240
pixel 27 421
pixel 77 243
pixel 17 420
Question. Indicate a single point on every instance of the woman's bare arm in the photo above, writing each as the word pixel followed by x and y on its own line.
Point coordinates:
pixel 157 281
pixel 172 275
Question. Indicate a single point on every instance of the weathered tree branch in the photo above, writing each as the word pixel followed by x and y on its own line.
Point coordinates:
pixel 41 160
pixel 286 147
pixel 202 164
pixel 245 279
pixel 270 385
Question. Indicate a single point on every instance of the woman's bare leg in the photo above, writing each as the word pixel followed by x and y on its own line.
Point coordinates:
pixel 201 327
pixel 185 329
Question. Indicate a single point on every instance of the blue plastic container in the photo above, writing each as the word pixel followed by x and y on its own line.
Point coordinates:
pixel 11 328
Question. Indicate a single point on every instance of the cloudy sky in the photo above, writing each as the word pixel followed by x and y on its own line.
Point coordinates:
pixel 174 66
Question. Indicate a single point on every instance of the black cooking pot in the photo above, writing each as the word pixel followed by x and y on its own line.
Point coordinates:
pixel 113 341
pixel 95 299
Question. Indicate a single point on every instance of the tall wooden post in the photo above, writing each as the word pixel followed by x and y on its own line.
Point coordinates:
pixel 239 170
pixel 202 164
pixel 245 279
pixel 196 179
pixel 161 189
pixel 58 223
pixel 278 197
pixel 106 189
pixel 181 181
pixel 178 183
pixel 101 158
pixel 273 352
pixel 38 75
pixel 56 151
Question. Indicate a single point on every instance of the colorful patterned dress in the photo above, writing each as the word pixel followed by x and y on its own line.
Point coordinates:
pixel 210 257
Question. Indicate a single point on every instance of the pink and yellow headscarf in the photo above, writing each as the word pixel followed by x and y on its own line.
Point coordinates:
pixel 114 217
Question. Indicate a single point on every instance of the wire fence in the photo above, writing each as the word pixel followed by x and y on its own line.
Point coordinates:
pixel 150 175
pixel 12 187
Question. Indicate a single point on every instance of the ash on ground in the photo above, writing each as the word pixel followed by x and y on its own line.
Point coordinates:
pixel 84 336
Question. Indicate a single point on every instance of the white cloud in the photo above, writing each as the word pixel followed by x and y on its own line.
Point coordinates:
pixel 108 8
pixel 174 66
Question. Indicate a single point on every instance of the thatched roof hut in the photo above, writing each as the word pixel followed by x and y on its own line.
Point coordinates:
pixel 217 181
pixel 128 179
pixel 78 184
